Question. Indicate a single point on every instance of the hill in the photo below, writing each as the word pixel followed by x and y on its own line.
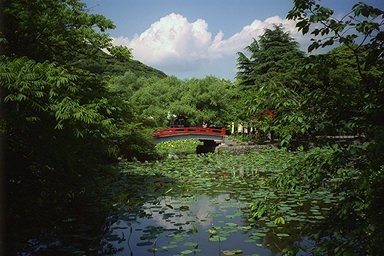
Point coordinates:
pixel 106 65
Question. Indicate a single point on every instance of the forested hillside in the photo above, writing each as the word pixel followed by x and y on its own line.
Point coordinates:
pixel 104 64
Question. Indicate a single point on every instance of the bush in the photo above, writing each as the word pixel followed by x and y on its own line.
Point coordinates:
pixel 178 147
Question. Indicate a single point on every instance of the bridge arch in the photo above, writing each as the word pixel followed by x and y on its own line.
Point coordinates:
pixel 211 137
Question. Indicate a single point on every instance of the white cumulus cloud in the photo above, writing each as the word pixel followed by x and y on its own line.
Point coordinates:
pixel 174 44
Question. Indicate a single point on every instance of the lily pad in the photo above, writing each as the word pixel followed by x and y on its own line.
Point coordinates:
pixel 184 208
pixel 232 252
pixel 231 224
pixel 190 244
pixel 186 252
pixel 282 235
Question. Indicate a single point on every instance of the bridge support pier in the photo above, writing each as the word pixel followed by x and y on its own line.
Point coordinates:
pixel 209 146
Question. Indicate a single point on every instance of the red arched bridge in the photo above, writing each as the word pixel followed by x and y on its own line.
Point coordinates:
pixel 182 133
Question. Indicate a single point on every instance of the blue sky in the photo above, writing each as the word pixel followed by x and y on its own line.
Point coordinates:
pixel 196 38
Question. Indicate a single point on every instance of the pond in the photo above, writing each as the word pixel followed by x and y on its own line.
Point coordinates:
pixel 210 205
pixel 213 204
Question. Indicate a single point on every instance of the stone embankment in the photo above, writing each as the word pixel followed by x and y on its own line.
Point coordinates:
pixel 239 147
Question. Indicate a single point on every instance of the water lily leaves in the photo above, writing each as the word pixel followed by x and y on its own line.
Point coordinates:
pixel 171 245
pixel 238 213
pixel 279 220
pixel 184 208
pixel 282 235
pixel 153 249
pixel 270 224
pixel 186 252
pixel 232 252
pixel 257 235
pixel 228 253
pixel 246 228
pixel 192 244
pixel 217 238
pixel 215 214
pixel 169 206
pixel 181 194
pixel 212 232
pixel 214 201
pixel 231 224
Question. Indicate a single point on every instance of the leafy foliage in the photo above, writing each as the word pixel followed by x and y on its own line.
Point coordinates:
pixel 204 101
pixel 178 147
pixel 365 47
pixel 159 101
pixel 60 123
pixel 273 57
pixel 108 66
pixel 312 97
pixel 344 108
pixel 271 84
pixel 53 30
pixel 315 99
pixel 363 18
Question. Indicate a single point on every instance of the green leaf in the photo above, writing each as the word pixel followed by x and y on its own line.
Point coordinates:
pixel 186 252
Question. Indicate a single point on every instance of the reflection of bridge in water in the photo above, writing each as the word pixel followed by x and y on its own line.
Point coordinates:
pixel 211 137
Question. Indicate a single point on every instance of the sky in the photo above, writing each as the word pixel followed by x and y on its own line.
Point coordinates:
pixel 197 38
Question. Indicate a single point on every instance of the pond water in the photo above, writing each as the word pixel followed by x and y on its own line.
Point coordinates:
pixel 202 208
pixel 196 205
pixel 203 225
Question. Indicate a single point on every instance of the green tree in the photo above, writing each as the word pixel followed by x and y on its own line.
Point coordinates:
pixel 334 96
pixel 352 102
pixel 245 64
pixel 366 45
pixel 201 101
pixel 275 53
pixel 60 122
pixel 269 77
pixel 208 100
pixel 154 98
pixel 54 30
pixel 41 38
pixel 366 20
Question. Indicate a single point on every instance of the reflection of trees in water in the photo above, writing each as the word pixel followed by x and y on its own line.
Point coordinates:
pixel 129 197
pixel 82 223
pixel 70 227
pixel 169 217
pixel 197 211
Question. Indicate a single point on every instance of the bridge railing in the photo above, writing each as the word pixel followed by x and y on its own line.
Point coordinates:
pixel 189 130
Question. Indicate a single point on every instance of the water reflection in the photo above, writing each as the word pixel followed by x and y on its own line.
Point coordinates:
pixel 211 218
pixel 205 213
pixel 182 225
pixel 171 211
